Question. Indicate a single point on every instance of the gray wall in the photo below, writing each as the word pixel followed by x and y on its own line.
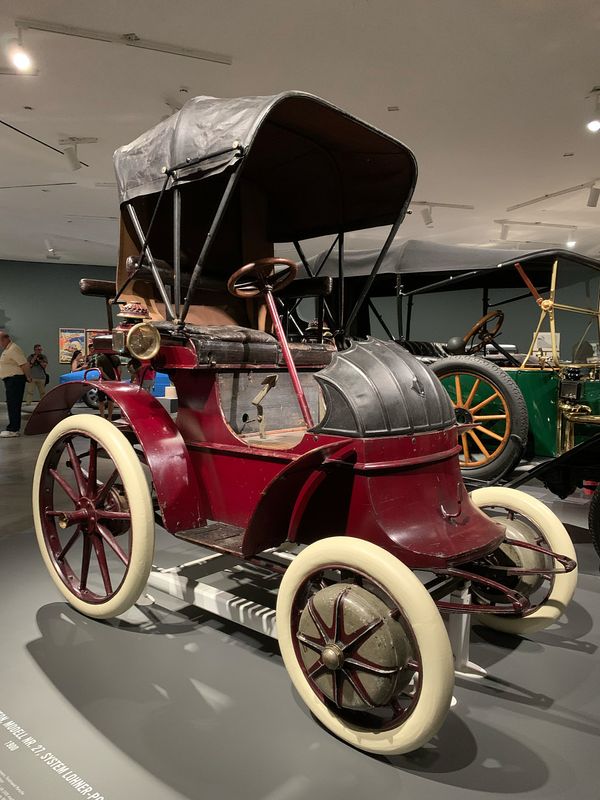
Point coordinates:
pixel 37 299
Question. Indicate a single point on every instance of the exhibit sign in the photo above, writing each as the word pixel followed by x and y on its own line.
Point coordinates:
pixel 70 340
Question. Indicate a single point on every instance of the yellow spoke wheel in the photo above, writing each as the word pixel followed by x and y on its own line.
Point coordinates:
pixel 486 397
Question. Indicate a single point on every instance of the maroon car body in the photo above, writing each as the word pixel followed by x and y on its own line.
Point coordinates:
pixel 352 439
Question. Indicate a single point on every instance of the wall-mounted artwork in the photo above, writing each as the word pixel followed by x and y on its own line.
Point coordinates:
pixel 90 335
pixel 70 340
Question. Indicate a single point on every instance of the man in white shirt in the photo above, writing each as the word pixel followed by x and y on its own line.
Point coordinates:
pixel 15 372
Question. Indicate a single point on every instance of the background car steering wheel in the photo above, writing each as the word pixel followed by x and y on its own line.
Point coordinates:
pixel 259 276
pixel 485 335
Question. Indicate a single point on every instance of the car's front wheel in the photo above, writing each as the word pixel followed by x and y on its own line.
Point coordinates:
pixel 365 645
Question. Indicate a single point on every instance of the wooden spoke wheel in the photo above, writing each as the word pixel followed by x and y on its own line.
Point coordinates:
pixel 485 395
pixel 93 516
pixel 364 645
pixel 527 520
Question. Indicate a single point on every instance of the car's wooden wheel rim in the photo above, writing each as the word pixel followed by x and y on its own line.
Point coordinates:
pixel 477 400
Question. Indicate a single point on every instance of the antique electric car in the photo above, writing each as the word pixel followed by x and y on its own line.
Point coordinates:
pixel 344 450
pixel 525 380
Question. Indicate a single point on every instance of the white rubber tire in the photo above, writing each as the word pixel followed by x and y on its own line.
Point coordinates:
pixel 405 589
pixel 140 505
pixel 557 539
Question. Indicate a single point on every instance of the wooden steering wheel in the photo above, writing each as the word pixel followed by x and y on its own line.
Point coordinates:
pixel 261 276
pixel 480 328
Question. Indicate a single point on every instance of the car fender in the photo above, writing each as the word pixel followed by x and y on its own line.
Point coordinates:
pixel 284 500
pixel 163 446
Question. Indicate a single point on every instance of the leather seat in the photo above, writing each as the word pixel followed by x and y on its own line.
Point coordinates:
pixel 233 345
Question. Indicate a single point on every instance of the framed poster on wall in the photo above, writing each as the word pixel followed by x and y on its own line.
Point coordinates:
pixel 70 340
pixel 90 335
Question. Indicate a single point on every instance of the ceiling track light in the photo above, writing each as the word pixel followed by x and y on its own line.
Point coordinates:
pixel 19 57
pixel 69 145
pixel 427 216
pixel 593 124
pixel 593 197
pixel 127 39
pixel 506 223
pixel 559 193
pixel 51 253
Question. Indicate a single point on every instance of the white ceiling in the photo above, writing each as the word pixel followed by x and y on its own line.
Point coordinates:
pixel 491 95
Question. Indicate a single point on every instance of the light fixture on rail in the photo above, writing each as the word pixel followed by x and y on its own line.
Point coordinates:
pixel 571 239
pixel 69 146
pixel 126 39
pixel 429 205
pixel 19 57
pixel 593 196
pixel 593 124
pixel 427 216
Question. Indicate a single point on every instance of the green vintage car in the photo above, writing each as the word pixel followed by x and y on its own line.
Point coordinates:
pixel 515 339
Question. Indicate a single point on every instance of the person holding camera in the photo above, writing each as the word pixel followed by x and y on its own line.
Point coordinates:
pixel 39 377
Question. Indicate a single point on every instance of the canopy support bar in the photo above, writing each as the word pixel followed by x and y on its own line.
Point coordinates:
pixel 367 287
pixel 177 250
pixel 155 273
pixel 381 320
pixel 305 263
pixel 223 205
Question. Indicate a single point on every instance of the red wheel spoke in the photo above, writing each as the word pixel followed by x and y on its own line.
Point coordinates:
pixel 67 489
pixel 105 513
pixel 359 688
pixel 316 669
pixel 338 617
pixel 92 482
pixel 361 634
pixel 316 618
pixel 102 563
pixel 338 688
pixel 69 544
pixel 76 467
pixel 112 543
pixel 308 642
pixel 366 666
pixel 103 493
pixel 85 563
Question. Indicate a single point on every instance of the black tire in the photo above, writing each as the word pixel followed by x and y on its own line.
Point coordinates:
pixel 90 398
pixel 594 520
pixel 510 425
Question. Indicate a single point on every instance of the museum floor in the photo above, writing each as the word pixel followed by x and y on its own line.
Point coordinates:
pixel 171 703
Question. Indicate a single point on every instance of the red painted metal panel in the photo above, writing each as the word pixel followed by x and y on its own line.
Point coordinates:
pixel 163 445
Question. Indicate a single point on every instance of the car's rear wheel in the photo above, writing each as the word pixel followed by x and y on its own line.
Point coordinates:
pixel 365 645
pixel 527 520
pixel 482 393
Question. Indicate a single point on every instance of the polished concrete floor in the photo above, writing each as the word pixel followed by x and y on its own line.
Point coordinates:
pixel 168 702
